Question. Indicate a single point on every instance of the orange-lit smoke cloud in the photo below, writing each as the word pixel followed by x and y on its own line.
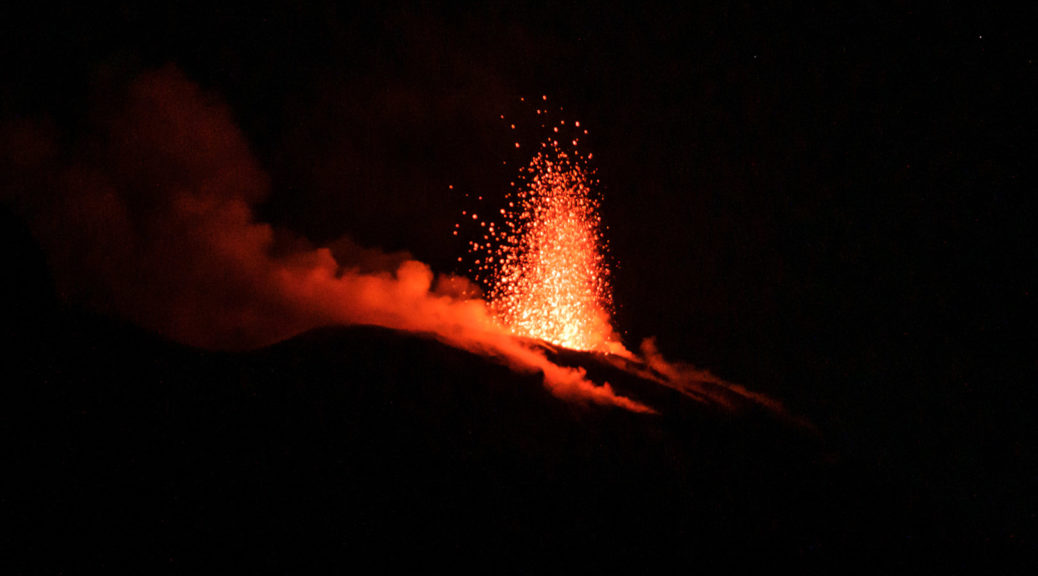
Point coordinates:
pixel 151 218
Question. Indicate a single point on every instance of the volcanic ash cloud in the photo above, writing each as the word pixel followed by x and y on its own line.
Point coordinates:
pixel 150 217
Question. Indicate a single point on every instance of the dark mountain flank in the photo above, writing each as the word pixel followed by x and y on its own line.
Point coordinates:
pixel 365 442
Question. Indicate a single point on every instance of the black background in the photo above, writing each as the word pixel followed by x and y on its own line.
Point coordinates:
pixel 829 205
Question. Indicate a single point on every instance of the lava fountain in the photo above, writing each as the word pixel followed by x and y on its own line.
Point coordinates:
pixel 543 259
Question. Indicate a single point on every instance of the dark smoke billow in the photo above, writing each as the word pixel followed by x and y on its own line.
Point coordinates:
pixel 150 218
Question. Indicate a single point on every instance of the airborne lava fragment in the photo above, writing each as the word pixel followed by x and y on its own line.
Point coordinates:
pixel 543 262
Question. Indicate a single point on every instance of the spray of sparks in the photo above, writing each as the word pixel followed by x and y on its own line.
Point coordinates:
pixel 542 258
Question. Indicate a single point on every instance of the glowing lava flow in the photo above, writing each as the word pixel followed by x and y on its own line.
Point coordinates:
pixel 544 263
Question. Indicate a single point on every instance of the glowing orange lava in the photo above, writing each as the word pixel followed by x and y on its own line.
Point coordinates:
pixel 544 262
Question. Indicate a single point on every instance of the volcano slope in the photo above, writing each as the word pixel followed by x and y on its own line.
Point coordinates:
pixel 343 444
pixel 349 442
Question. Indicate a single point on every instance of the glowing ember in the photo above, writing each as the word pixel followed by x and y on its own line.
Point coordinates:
pixel 544 263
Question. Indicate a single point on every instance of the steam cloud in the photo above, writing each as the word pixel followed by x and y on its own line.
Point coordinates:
pixel 151 219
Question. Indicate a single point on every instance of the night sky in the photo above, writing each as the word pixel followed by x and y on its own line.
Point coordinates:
pixel 831 205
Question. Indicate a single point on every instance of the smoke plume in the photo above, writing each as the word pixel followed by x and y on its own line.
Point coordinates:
pixel 151 218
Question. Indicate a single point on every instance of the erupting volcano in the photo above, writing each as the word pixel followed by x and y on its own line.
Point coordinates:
pixel 544 262
pixel 308 287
